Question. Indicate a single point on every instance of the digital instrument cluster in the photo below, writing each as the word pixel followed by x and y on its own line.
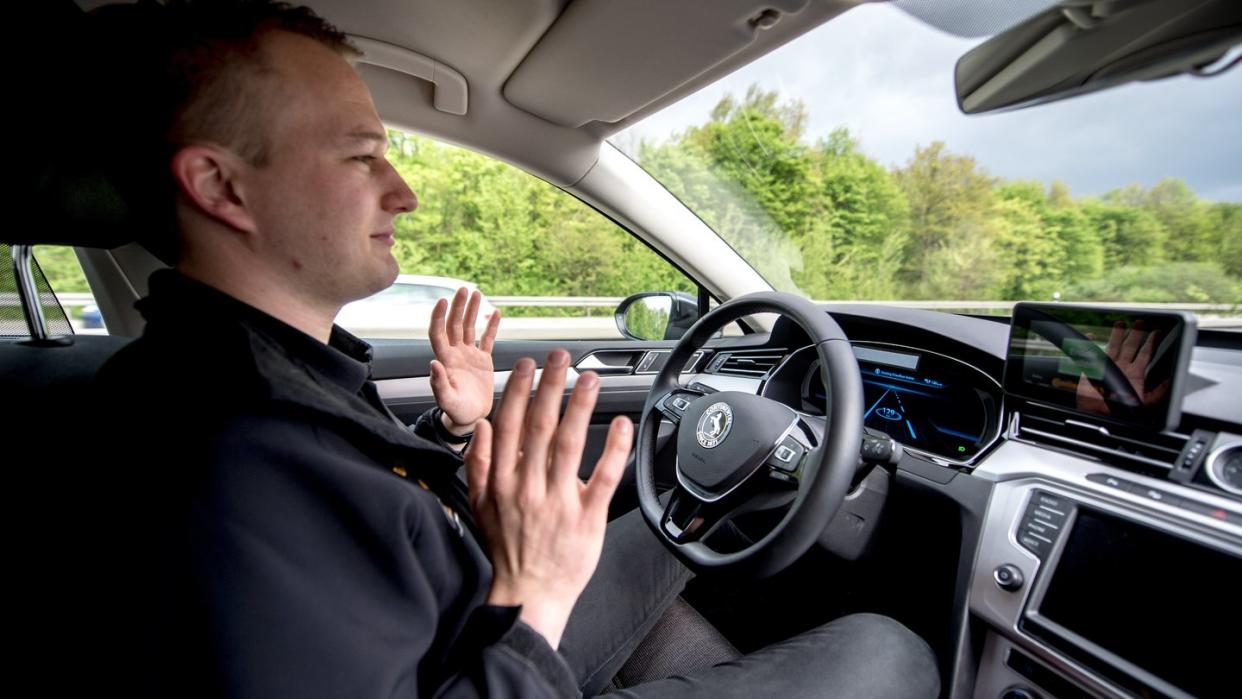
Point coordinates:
pixel 924 400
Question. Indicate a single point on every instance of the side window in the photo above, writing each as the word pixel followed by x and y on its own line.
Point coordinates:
pixel 64 275
pixel 553 266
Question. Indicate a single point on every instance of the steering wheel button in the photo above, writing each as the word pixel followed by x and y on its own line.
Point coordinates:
pixel 783 477
pixel 680 404
pixel 784 454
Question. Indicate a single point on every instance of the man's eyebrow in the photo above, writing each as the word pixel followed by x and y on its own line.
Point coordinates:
pixel 366 135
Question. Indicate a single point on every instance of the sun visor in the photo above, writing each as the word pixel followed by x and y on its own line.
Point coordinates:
pixel 603 60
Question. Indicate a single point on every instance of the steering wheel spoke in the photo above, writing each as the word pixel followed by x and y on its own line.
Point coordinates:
pixel 685 516
pixel 790 456
pixel 674 403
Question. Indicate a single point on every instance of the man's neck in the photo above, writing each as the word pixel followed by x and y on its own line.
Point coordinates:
pixel 259 290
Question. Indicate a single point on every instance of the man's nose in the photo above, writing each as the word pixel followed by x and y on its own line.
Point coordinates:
pixel 399 198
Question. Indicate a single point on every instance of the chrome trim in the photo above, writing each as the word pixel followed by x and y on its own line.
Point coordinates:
pixel 705 497
pixel 1099 429
pixel 783 352
pixel 726 382
pixel 1085 445
pixel 1209 466
pixel 419 387
pixel 994 676
pixel 1016 460
pixel 650 356
pixel 591 362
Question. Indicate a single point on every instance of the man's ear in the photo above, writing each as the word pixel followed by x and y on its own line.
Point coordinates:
pixel 212 179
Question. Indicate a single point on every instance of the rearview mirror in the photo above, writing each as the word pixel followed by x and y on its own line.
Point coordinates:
pixel 1081 46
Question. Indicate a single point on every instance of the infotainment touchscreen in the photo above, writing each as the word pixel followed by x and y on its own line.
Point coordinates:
pixel 1124 366
pixel 1131 594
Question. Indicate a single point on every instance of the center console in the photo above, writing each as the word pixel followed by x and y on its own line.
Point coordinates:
pixel 1086 590
pixel 1102 568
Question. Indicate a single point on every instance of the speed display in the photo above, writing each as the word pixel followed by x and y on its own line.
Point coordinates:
pixel 923 400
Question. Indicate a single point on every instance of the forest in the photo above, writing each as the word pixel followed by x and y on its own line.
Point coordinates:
pixel 821 217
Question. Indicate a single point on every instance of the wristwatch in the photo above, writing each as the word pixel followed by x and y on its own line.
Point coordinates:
pixel 443 433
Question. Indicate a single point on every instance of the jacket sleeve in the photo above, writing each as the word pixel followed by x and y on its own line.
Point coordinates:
pixel 425 427
pixel 320 574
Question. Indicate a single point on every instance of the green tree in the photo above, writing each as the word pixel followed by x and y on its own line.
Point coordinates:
pixel 950 201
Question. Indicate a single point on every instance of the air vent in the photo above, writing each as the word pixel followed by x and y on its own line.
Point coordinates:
pixel 1149 453
pixel 750 364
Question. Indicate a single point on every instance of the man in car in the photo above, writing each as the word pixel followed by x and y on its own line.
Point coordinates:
pixel 284 534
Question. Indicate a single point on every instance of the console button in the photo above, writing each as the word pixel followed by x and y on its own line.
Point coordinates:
pixel 1044 529
pixel 1039 513
pixel 1159 496
pixel 1051 501
pixel 1218 513
pixel 1110 481
pixel 1008 577
pixel 1032 544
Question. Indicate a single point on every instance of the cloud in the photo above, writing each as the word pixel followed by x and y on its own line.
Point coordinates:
pixel 889 79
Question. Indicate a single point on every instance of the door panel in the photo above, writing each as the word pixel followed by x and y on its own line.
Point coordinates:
pixel 400 370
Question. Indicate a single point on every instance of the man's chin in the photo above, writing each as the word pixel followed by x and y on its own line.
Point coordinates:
pixel 393 271
pixel 379 282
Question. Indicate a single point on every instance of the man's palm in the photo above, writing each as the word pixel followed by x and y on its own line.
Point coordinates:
pixel 462 373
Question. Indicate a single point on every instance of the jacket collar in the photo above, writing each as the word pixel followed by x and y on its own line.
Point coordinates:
pixel 281 362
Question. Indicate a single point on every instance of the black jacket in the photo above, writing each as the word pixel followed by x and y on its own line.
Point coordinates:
pixel 284 534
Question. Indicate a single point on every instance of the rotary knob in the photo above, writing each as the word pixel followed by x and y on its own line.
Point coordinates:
pixel 1008 577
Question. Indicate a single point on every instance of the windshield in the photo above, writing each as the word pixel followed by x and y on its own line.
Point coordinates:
pixel 841 168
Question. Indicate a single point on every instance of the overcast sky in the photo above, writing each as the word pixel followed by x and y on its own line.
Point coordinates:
pixel 889 79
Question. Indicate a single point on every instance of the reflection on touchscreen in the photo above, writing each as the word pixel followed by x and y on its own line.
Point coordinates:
pixel 1131 351
pixel 1120 365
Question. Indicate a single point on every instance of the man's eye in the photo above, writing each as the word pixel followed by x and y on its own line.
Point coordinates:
pixel 365 158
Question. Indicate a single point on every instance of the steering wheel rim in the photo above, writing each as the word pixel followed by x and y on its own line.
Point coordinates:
pixel 822 479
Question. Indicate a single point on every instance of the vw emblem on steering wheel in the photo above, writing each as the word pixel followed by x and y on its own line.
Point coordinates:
pixel 715 424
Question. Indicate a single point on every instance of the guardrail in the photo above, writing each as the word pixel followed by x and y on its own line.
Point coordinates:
pixel 84 299
pixel 557 301
pixel 9 299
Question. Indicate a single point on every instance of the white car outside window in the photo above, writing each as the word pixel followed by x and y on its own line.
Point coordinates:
pixel 404 309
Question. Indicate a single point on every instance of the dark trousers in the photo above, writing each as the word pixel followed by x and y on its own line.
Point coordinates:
pixel 858 656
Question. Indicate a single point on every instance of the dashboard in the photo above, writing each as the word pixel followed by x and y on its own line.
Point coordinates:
pixel 931 403
pixel 1104 552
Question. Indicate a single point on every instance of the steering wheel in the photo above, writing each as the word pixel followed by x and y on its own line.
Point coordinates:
pixel 735 450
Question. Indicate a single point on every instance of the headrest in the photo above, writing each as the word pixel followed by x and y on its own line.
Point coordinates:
pixel 90 177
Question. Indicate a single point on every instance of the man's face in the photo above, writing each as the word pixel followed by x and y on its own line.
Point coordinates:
pixel 325 202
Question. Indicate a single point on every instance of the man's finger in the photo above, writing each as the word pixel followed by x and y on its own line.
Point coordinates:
pixel 1149 347
pixel 542 418
pixel 440 385
pixel 472 316
pixel 510 418
pixel 439 341
pixel 611 465
pixel 489 334
pixel 456 309
pixel 571 434
pixel 1130 347
pixel 1114 341
pixel 478 462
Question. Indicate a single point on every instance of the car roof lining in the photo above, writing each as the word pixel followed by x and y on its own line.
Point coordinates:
pixel 549 80
pixel 526 63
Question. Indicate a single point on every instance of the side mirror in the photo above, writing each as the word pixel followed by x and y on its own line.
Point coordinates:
pixel 657 315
